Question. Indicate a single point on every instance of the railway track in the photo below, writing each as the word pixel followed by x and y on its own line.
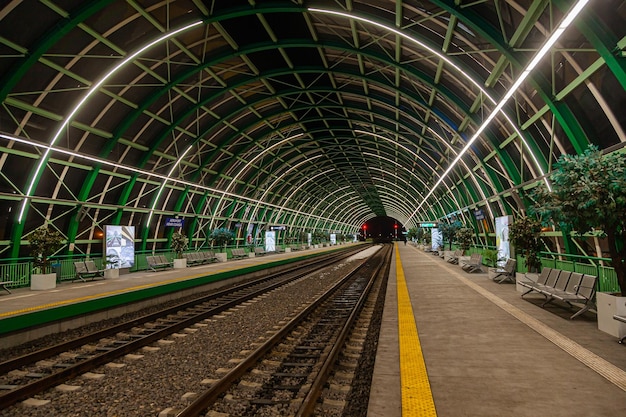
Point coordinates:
pixel 28 375
pixel 287 373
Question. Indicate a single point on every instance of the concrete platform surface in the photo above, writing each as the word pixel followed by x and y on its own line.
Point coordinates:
pixel 489 352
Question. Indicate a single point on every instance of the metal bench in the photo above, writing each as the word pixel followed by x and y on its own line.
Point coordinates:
pixel 259 251
pixel 565 286
pixel 87 270
pixel 158 261
pixel 3 285
pixel 473 264
pixel 453 258
pixel 238 253
pixel 623 320
pixel 506 273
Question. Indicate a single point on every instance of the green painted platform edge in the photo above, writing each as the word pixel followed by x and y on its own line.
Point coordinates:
pixel 41 317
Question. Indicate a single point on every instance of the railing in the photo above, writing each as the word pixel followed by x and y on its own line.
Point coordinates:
pixel 607 278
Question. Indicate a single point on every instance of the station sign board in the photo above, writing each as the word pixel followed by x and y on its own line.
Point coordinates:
pixel 174 222
pixel 428 224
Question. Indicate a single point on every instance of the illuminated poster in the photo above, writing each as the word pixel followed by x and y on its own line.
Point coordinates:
pixel 502 238
pixel 333 239
pixel 270 241
pixel 119 246
pixel 436 238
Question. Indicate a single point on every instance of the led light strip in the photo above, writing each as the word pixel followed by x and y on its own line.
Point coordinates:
pixel 146 174
pixel 533 63
pixel 551 41
pixel 92 90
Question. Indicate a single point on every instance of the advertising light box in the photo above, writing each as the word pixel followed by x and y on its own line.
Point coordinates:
pixel 119 246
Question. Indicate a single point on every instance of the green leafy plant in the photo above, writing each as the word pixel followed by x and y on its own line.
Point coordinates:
pixel 179 243
pixel 44 243
pixel 524 234
pixel 464 237
pixel 319 237
pixel 449 230
pixel 491 257
pixel 589 193
pixel 221 236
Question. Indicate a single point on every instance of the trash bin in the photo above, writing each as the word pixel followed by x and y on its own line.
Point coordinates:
pixel 57 270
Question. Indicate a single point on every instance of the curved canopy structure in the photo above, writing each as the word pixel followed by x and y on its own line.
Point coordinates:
pixel 315 115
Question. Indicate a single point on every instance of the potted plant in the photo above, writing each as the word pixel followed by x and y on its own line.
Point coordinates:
pixel 524 234
pixel 490 256
pixel 464 237
pixel 179 243
pixel 44 243
pixel 589 193
pixel 221 237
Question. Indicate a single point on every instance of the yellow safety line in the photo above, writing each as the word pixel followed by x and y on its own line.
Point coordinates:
pixel 106 294
pixel 124 290
pixel 417 397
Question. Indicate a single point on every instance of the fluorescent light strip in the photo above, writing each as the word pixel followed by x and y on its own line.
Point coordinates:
pixel 533 63
pixel 81 103
pixel 569 18
pixel 147 174
pixel 169 175
pixel 245 167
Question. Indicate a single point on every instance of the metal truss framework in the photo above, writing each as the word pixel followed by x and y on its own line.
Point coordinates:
pixel 318 115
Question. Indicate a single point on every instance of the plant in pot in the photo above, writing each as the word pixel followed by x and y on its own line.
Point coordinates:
pixel 179 243
pixel 448 231
pixel 221 236
pixel 490 256
pixel 589 194
pixel 524 234
pixel 44 243
pixel 464 237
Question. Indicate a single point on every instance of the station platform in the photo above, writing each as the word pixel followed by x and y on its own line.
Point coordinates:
pixel 459 344
pixel 27 315
pixel 451 343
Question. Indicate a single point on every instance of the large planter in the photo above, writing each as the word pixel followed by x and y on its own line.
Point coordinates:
pixel 609 305
pixel 180 263
pixel 221 257
pixel 39 282
pixel 111 273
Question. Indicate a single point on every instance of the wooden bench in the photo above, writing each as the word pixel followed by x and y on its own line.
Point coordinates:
pixel 87 269
pixel 473 264
pixel 506 273
pixel 158 261
pixel 623 320
pixel 238 253
pixel 4 284
pixel 565 286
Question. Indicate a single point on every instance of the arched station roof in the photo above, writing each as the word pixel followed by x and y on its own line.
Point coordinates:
pixel 317 115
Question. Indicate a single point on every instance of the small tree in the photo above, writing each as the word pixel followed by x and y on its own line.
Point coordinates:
pixel 179 243
pixel 589 193
pixel 448 231
pixel 319 237
pixel 465 237
pixel 44 243
pixel 491 257
pixel 524 234
pixel 412 234
pixel 221 236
